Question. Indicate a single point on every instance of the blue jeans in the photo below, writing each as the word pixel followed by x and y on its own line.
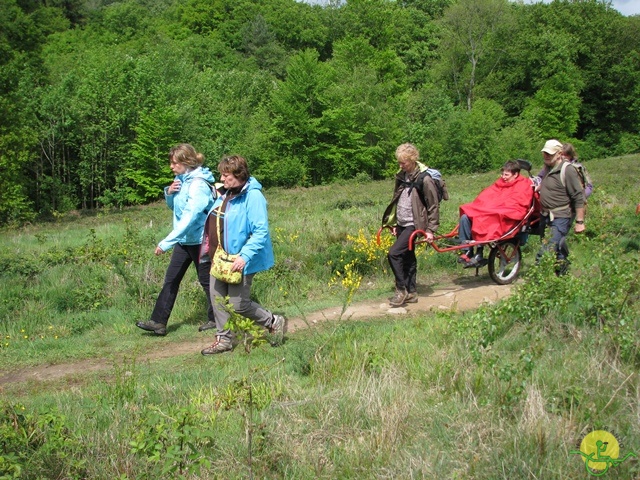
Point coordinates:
pixel 181 258
pixel 464 229
pixel 559 230
pixel 464 234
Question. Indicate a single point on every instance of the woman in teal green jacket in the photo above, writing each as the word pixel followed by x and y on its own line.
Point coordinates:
pixel 244 230
pixel 190 198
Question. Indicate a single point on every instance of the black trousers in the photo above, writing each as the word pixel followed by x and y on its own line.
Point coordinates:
pixel 403 261
pixel 181 258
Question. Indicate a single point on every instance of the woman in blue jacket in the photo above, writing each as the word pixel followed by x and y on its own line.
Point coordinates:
pixel 190 198
pixel 244 230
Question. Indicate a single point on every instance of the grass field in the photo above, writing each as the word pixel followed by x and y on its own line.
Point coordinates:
pixel 506 391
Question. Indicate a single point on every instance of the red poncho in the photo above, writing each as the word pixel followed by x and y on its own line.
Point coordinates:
pixel 498 208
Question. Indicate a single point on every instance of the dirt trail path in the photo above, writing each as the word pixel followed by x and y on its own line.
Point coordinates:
pixel 467 294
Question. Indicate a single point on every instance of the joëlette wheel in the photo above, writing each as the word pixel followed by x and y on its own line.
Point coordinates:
pixel 504 263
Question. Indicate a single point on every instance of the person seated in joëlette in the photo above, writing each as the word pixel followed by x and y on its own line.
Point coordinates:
pixel 495 211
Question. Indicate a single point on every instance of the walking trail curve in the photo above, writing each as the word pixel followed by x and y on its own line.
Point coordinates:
pixel 467 294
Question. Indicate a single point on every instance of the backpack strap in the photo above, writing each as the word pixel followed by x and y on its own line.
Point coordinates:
pixel 563 174
pixel 418 184
pixel 438 181
pixel 563 180
pixel 212 188
pixel 214 191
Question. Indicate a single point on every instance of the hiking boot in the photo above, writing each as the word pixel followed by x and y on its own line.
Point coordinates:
pixel 411 298
pixel 277 329
pixel 155 327
pixel 399 298
pixel 464 258
pixel 207 326
pixel 476 262
pixel 221 345
pixel 562 267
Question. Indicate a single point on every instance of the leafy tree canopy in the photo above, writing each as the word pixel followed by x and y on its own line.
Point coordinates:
pixel 92 95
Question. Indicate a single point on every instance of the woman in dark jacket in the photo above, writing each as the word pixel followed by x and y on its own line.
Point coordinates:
pixel 406 214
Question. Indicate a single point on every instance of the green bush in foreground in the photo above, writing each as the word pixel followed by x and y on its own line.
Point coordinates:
pixel 575 300
pixel 36 443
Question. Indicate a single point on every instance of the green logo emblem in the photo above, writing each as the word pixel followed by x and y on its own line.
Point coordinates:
pixel 600 451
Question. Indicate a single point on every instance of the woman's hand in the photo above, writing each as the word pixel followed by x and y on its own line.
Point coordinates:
pixel 159 251
pixel 238 264
pixel 174 187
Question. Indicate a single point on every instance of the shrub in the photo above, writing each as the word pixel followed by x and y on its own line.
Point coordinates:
pixel 37 442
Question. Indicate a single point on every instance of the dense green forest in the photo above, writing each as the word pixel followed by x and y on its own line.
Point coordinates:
pixel 93 93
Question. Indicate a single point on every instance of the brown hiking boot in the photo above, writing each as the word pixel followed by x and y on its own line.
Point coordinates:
pixel 155 327
pixel 411 298
pixel 221 345
pixel 399 298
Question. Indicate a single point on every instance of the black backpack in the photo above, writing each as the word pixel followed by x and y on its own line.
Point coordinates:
pixel 441 186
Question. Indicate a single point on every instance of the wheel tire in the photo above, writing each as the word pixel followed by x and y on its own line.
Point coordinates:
pixel 504 263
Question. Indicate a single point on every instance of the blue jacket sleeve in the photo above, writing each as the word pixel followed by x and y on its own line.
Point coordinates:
pixel 258 224
pixel 197 201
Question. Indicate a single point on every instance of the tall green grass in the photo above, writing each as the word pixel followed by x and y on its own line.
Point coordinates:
pixel 83 281
pixel 506 391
